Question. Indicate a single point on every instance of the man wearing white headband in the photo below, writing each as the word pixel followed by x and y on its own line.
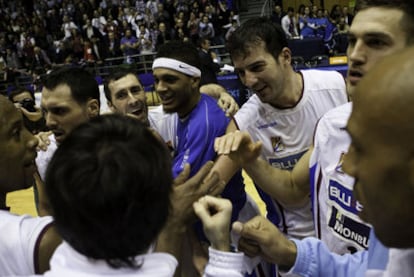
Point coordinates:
pixel 197 119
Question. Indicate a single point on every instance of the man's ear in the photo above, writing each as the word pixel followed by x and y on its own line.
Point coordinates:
pixel 285 56
pixel 195 82
pixel 93 107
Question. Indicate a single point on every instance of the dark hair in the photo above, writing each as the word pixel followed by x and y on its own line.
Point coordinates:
pixel 182 51
pixel 407 7
pixel 115 75
pixel 254 31
pixel 82 83
pixel 108 184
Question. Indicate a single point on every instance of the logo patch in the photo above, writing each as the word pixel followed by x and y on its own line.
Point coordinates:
pixel 349 229
pixel 286 162
pixel 343 197
pixel 277 144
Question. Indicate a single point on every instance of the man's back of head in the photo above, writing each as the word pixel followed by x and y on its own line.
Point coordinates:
pixel 109 184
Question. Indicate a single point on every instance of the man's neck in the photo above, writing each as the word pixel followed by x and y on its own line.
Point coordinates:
pixel 292 92
pixel 190 106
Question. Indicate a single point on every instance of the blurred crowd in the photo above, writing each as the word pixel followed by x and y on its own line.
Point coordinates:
pixel 36 36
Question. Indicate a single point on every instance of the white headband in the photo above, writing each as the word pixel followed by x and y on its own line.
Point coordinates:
pixel 177 66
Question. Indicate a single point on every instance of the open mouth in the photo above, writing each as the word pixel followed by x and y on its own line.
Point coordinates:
pixel 166 100
pixel 354 76
pixel 137 112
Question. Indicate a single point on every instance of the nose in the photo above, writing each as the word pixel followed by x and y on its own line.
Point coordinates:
pixel 250 79
pixel 160 87
pixel 50 120
pixel 357 52
pixel 132 100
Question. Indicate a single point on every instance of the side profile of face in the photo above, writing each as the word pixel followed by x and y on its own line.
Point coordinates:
pixel 128 98
pixel 381 153
pixel 375 33
pixel 178 92
pixel 18 148
pixel 259 71
pixel 62 113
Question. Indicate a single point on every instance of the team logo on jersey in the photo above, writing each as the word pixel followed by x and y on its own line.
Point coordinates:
pixel 338 167
pixel 277 144
pixel 287 163
pixel 349 229
pixel 344 197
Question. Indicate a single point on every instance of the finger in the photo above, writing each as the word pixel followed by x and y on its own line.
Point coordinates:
pixel 250 249
pixel 219 144
pixel 251 230
pixel 199 178
pixel 201 212
pixel 210 183
pixel 183 176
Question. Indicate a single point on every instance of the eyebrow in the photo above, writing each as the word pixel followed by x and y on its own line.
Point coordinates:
pixel 381 35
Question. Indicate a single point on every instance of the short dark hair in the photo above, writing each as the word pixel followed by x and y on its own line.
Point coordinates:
pixel 182 51
pixel 252 32
pixel 115 75
pixel 407 7
pixel 81 82
pixel 109 184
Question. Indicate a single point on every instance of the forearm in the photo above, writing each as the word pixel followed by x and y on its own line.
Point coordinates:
pixel 170 239
pixel 315 259
pixel 279 184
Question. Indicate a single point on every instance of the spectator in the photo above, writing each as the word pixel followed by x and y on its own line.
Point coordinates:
pixel 289 24
pixel 163 36
pixel 129 46
pixel 33 118
pixel 206 28
pixel 209 66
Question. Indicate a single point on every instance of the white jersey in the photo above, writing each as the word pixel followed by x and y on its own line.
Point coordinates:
pixel 164 123
pixel 286 135
pixel 20 238
pixel 43 157
pixel 67 262
pixel 336 210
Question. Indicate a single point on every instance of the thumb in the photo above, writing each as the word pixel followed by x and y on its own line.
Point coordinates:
pixel 237 227
pixel 257 148
pixel 200 211
pixel 252 229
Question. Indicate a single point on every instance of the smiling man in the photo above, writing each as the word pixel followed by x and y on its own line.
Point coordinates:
pixel 283 111
pixel 193 120
pixel 380 28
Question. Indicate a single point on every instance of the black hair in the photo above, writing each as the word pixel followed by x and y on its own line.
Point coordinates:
pixel 254 31
pixel 81 82
pixel 407 7
pixel 115 75
pixel 182 51
pixel 108 185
